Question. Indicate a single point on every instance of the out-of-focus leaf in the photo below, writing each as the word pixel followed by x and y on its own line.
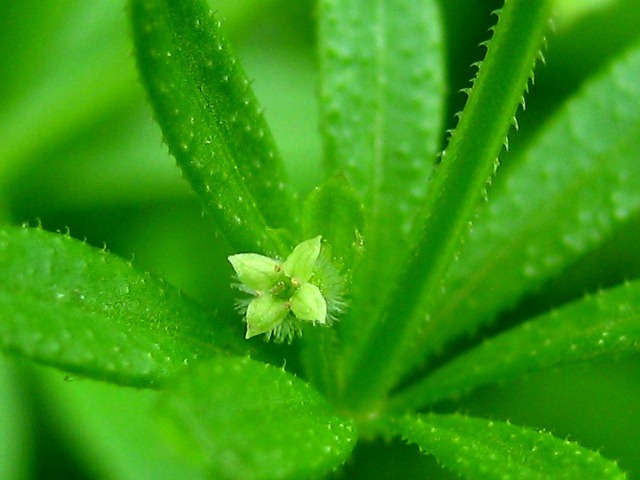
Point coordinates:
pixel 14 440
pixel 119 164
pixel 482 449
pixel 66 304
pixel 112 429
pixel 84 72
pixel 245 420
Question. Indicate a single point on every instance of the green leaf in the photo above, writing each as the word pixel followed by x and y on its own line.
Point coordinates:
pixel 334 211
pixel 241 419
pixel 476 448
pixel 112 430
pixel 605 324
pixel 380 359
pixel 382 95
pixel 576 184
pixel 212 123
pixel 382 89
pixel 14 436
pixel 84 310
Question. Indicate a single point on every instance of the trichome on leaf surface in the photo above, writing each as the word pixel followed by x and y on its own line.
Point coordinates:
pixel 388 300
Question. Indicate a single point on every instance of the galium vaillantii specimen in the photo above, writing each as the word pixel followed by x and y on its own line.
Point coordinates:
pixel 386 367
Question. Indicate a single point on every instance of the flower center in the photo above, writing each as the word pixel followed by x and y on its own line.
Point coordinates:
pixel 285 288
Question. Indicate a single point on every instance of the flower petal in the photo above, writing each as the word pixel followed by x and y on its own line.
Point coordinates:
pixel 264 313
pixel 255 271
pixel 300 263
pixel 307 303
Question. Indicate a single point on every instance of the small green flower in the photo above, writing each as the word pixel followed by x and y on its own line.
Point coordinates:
pixel 284 293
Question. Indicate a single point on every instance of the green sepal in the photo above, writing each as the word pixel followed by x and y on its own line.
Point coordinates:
pixel 256 271
pixel 241 419
pixel 300 264
pixel 307 303
pixel 265 313
pixel 294 286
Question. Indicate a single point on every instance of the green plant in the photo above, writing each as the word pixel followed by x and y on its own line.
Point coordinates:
pixel 422 292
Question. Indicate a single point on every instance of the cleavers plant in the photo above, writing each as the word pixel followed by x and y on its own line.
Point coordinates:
pixel 385 281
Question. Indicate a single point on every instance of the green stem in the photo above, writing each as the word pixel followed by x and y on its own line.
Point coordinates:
pixel 459 185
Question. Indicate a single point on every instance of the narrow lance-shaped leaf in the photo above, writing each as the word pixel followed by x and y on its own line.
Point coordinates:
pixel 382 92
pixel 86 311
pixel 334 211
pixel 241 419
pixel 211 121
pixel 477 448
pixel 601 325
pixel 453 198
pixel 575 185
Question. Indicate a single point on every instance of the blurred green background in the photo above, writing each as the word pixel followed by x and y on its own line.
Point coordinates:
pixel 79 151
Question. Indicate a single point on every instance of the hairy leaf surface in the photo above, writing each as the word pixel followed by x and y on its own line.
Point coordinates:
pixel 212 123
pixel 382 93
pixel 451 203
pixel 244 420
pixel 575 185
pixel 476 448
pixel 84 310
pixel 605 324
